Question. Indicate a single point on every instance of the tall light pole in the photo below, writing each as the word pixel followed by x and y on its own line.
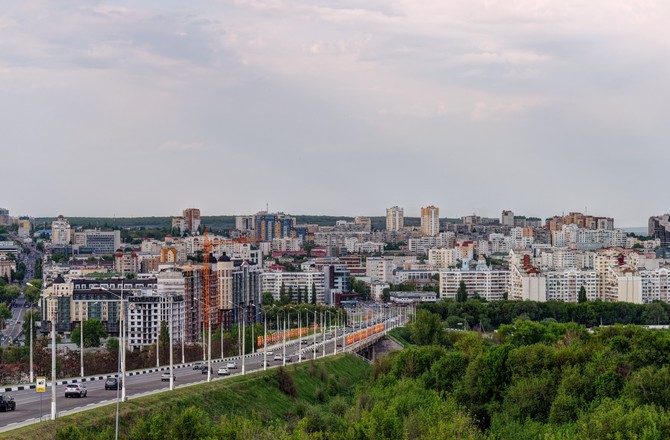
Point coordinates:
pixel 170 324
pixel 53 363
pixel 31 339
pixel 81 346
pixel 244 347
pixel 314 335
pixel 265 339
pixel 122 331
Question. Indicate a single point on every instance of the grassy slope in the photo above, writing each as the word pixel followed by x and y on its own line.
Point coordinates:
pixel 255 392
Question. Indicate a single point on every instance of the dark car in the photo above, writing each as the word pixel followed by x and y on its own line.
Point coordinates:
pixel 112 383
pixel 204 369
pixel 7 403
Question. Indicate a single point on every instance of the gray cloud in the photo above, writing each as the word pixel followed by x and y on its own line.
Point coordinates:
pixel 335 107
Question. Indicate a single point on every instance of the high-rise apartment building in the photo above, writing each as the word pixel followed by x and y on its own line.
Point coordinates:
pixel 659 227
pixel 507 218
pixel 192 218
pixel 61 232
pixel 430 221
pixel 4 216
pixel 269 226
pixel 395 219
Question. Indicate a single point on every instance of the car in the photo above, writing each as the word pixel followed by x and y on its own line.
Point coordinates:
pixel 223 371
pixel 232 364
pixel 197 365
pixel 305 342
pixel 7 403
pixel 287 359
pixel 204 370
pixel 265 364
pixel 113 383
pixel 166 376
pixel 278 357
pixel 75 390
pixel 269 353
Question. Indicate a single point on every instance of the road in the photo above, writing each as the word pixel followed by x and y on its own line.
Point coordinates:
pixel 29 406
pixel 14 326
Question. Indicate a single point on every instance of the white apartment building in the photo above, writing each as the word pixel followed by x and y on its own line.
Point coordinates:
pixel 565 285
pixel 488 284
pixel 61 232
pixel 442 258
pixel 368 247
pixel 430 221
pixel 395 219
pixel 527 284
pixel 272 282
pixel 421 245
pixel 380 269
pixel 287 244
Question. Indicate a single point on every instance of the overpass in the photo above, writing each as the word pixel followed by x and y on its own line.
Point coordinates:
pixel 33 407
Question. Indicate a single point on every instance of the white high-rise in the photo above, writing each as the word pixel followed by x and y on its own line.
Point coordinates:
pixel 395 219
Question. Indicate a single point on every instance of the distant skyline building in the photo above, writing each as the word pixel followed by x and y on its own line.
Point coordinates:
pixel 430 221
pixel 659 227
pixel 4 217
pixel 61 232
pixel 395 219
pixel 192 218
pixel 507 218
pixel 271 226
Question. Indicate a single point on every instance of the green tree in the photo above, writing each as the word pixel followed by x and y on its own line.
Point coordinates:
pixel 655 313
pixel 313 293
pixel 299 295
pixel 427 329
pixel 113 345
pixel 462 292
pixel 93 332
pixel 268 299
pixel 582 295
pixel 5 314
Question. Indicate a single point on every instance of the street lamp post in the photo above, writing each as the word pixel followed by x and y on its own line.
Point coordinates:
pixel 314 335
pixel 31 339
pixel 81 345
pixel 53 365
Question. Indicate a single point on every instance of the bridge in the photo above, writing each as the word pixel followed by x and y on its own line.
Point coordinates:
pixel 33 407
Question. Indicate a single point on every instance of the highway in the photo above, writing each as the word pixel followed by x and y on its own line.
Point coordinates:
pixel 30 405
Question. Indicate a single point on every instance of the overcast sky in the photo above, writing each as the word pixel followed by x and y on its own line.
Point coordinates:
pixel 136 108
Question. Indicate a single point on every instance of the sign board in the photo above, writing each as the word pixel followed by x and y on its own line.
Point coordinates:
pixel 41 385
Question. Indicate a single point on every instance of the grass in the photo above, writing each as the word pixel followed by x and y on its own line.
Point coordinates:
pixel 400 335
pixel 254 393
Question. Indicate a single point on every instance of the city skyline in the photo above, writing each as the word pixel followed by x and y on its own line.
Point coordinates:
pixel 142 108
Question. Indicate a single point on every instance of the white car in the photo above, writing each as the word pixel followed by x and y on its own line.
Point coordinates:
pixel 269 353
pixel 74 389
pixel 223 371
pixel 278 357
pixel 166 376
pixel 232 365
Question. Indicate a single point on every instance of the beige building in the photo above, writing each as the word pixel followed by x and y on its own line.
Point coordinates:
pixel 61 232
pixel 430 221
pixel 395 219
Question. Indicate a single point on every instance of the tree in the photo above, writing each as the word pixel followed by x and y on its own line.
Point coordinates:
pixel 299 295
pixel 32 292
pixel 462 292
pixel 93 332
pixel 5 314
pixel 582 295
pixel 427 329
pixel 268 299
pixel 290 295
pixel 314 293
pixel 655 313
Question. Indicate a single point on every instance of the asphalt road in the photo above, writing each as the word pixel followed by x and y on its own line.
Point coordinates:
pixel 33 405
pixel 14 326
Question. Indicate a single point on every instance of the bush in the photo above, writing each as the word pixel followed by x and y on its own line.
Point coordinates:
pixel 285 382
